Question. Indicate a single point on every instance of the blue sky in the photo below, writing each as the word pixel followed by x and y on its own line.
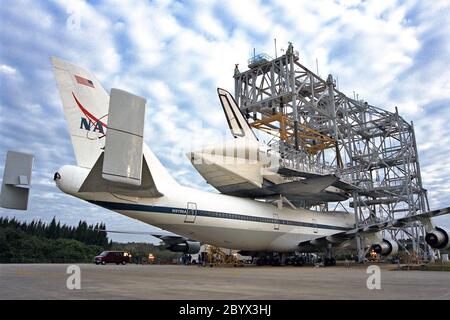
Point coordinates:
pixel 175 53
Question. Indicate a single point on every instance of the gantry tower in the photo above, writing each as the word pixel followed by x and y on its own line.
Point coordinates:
pixel 315 125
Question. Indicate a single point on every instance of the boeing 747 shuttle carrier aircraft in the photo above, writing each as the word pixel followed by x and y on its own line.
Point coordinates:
pixel 117 171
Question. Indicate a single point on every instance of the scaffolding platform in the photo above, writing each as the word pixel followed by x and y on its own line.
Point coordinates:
pixel 258 59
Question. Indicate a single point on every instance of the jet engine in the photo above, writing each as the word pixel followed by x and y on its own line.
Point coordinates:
pixel 386 247
pixel 438 238
pixel 189 247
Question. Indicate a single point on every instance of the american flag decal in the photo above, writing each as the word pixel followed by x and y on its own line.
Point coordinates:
pixel 84 81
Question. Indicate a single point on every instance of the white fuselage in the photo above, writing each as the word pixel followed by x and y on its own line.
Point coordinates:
pixel 217 219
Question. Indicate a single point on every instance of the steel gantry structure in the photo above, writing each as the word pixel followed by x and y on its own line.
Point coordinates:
pixel 316 125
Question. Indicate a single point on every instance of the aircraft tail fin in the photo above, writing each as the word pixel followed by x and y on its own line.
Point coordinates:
pixel 86 105
pixel 239 126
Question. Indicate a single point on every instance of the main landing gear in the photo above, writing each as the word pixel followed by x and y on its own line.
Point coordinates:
pixel 281 259
pixel 329 261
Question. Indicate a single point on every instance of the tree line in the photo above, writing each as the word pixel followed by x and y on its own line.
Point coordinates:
pixel 87 234
pixel 37 241
pixel 40 242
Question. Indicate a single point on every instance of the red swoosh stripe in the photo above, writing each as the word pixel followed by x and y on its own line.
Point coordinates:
pixel 87 113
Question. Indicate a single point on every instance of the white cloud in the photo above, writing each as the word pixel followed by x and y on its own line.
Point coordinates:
pixel 8 70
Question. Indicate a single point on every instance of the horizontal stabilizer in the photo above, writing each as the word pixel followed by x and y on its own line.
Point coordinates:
pixel 95 183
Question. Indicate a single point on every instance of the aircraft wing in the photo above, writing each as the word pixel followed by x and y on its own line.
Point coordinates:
pixel 167 237
pixel 366 230
pixel 170 241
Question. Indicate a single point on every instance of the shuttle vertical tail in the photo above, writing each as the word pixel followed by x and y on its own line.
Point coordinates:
pixel 239 126
pixel 86 106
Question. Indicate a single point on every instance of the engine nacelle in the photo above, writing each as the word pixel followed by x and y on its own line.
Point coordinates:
pixel 189 247
pixel 438 238
pixel 386 247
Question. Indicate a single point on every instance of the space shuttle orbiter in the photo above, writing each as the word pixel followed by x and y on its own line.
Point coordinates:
pixel 246 167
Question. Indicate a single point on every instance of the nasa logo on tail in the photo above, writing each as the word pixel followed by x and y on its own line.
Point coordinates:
pixel 89 122
pixel 88 125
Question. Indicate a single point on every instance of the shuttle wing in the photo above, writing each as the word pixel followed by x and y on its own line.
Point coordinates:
pixel 306 186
